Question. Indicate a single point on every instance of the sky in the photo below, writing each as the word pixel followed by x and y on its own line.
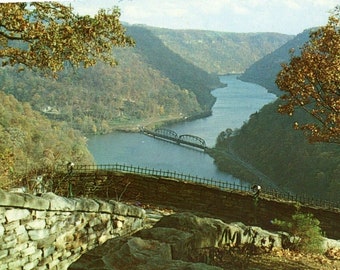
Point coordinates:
pixel 281 16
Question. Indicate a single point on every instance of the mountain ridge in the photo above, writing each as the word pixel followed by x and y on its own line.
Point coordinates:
pixel 264 71
pixel 151 84
pixel 231 52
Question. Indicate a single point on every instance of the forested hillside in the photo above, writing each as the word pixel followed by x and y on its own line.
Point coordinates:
pixel 264 71
pixel 100 99
pixel 150 83
pixel 95 100
pixel 269 142
pixel 31 144
pixel 220 52
pixel 174 66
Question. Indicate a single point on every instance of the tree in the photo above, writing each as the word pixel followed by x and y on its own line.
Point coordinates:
pixel 45 35
pixel 312 82
pixel 305 230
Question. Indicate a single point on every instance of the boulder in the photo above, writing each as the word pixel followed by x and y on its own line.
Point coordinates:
pixel 174 242
pixel 210 232
pixel 134 253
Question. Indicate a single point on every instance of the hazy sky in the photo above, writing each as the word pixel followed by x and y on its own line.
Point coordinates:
pixel 283 16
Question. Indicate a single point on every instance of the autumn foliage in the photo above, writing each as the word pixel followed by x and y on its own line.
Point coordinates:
pixel 311 82
pixel 45 35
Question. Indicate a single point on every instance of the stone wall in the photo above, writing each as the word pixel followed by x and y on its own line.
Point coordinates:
pixel 230 206
pixel 51 232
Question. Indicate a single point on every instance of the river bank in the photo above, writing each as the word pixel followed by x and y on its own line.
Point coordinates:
pixel 156 122
pixel 234 104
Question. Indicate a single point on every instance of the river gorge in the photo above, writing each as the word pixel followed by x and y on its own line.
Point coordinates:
pixel 234 104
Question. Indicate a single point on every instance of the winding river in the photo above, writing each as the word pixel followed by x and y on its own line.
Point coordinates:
pixel 234 104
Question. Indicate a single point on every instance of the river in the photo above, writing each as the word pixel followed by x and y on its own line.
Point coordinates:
pixel 234 104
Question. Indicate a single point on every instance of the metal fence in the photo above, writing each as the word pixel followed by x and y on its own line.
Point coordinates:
pixel 302 199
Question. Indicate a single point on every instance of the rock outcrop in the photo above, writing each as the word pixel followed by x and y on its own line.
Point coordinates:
pixel 175 242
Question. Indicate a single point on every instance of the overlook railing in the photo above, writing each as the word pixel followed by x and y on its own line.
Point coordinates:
pixel 204 181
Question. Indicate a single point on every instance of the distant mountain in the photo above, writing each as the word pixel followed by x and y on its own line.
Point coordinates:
pixel 173 66
pixel 269 142
pixel 264 71
pixel 152 82
pixel 220 52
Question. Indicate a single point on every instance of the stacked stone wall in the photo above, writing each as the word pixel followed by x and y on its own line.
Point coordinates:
pixel 51 232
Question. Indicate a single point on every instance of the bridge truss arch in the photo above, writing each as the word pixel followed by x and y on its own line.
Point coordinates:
pixel 166 132
pixel 192 139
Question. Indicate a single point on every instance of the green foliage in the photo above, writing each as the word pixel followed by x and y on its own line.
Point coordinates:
pixel 94 100
pixel 305 230
pixel 312 57
pixel 311 82
pixel 31 144
pixel 268 142
pixel 264 71
pixel 174 67
pixel 219 52
pixel 45 35
pixel 150 84
pixel 101 98
pixel 226 163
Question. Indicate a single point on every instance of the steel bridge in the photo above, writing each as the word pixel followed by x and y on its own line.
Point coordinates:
pixel 172 136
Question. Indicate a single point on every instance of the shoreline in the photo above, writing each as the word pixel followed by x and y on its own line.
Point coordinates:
pixel 153 123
